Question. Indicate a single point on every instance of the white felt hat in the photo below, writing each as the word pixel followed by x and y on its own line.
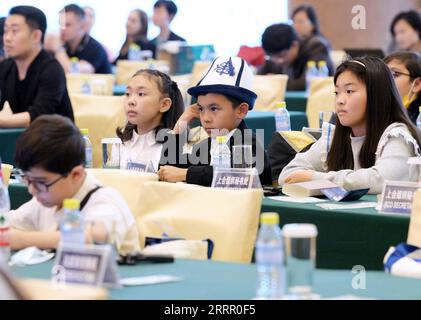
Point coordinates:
pixel 230 76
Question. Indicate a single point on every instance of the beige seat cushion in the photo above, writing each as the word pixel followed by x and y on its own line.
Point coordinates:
pixel 322 98
pixel 126 68
pixel 270 89
pixel 101 115
pixel 101 84
pixel 229 218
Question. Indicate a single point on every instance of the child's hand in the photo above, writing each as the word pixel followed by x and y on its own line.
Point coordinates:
pixel 299 176
pixel 172 174
pixel 96 232
pixel 186 118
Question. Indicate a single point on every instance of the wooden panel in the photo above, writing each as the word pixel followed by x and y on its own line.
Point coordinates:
pixel 336 20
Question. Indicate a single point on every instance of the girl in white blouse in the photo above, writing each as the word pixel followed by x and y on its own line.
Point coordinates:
pixel 153 102
pixel 372 140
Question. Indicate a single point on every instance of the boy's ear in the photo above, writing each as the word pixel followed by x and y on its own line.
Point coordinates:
pixel 77 172
pixel 166 104
pixel 242 110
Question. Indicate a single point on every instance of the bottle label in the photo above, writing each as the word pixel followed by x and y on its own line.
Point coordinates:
pixel 5 236
pixel 269 254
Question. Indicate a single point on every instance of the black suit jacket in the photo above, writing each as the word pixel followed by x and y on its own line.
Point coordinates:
pixel 201 173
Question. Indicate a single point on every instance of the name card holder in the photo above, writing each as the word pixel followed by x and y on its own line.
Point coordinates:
pixel 141 166
pixel 93 265
pixel 397 197
pixel 236 179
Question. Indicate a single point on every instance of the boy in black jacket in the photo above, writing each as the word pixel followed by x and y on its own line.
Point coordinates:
pixel 224 98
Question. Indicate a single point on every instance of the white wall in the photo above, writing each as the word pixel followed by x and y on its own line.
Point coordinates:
pixel 225 23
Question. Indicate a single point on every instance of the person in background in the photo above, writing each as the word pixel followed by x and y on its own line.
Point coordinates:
pixel 90 18
pixel 2 21
pixel 75 44
pixel 31 81
pixel 306 23
pixel 137 33
pixel 373 137
pixel 286 54
pixel 406 70
pixel 406 32
pixel 164 12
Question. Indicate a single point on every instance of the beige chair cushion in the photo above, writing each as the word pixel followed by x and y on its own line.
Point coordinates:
pixel 322 98
pixel 414 233
pixel 270 89
pixel 126 68
pixel 34 289
pixel 6 170
pixel 101 84
pixel 101 115
pixel 128 183
pixel 229 218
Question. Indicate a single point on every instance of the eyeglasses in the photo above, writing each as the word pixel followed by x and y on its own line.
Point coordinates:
pixel 38 185
pixel 397 74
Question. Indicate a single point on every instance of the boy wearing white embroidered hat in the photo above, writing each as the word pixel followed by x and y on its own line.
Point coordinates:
pixel 224 97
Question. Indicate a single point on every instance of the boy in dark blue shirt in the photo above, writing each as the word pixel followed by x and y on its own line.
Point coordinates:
pixel 224 97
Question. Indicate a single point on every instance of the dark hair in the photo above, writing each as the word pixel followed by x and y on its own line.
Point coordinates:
pixel 2 21
pixel 278 37
pixel 51 142
pixel 168 89
pixel 78 11
pixel 412 17
pixel 311 15
pixel 411 60
pixel 170 6
pixel 234 101
pixel 384 107
pixel 34 17
pixel 141 35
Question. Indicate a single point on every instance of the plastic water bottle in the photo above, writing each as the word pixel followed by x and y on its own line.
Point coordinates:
pixel 221 154
pixel 323 69
pixel 419 120
pixel 74 65
pixel 4 225
pixel 88 148
pixel 312 72
pixel 134 52
pixel 282 119
pixel 86 87
pixel 72 224
pixel 270 258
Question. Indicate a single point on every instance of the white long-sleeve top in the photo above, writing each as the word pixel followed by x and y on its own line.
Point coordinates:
pixel 395 146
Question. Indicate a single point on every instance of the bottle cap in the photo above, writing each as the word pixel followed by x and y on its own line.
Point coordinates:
pixel 72 204
pixel 281 104
pixel 420 108
pixel 74 59
pixel 322 63
pixel 134 46
pixel 84 132
pixel 221 139
pixel 311 64
pixel 269 218
pixel 300 230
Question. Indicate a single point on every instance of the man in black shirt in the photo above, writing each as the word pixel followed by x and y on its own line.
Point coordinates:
pixel 76 44
pixel 164 12
pixel 30 79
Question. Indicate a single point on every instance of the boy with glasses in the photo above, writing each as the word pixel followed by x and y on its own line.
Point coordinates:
pixel 51 154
